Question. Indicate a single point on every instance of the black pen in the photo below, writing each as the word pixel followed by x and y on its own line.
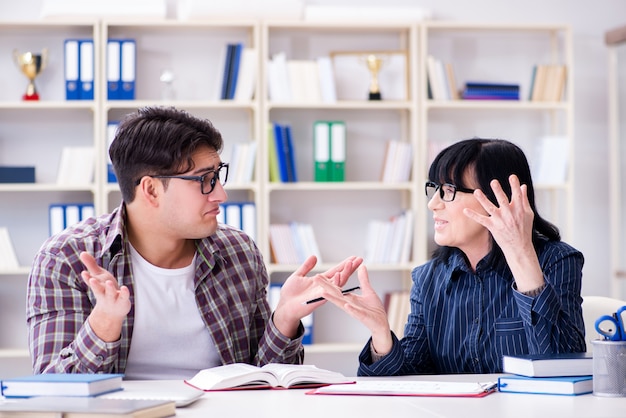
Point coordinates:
pixel 352 289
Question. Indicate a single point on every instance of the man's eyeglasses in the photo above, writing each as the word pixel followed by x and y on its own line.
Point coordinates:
pixel 208 180
pixel 447 191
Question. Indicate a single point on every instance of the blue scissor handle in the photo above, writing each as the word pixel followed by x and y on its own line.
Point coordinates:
pixel 621 321
pixel 614 333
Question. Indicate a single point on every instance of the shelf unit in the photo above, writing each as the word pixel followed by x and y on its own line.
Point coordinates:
pixel 33 134
pixel 616 48
pixel 338 211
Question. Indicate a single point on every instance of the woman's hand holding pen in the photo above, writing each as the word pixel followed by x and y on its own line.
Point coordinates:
pixel 299 288
pixel 367 308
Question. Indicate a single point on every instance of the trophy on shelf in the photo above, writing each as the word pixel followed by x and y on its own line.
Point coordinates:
pixel 374 63
pixel 31 65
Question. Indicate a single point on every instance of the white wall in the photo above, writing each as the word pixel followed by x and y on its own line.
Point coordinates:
pixel 589 20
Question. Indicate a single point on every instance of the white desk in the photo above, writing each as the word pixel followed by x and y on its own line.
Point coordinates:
pixel 295 403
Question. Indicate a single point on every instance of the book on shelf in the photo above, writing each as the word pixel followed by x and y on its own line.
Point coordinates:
pixel 389 241
pixel 61 384
pixel 85 407
pixel 410 388
pixel 273 296
pixel 304 81
pixel 240 376
pixel 272 155
pixel 8 258
pixel 547 82
pixel 111 131
pixel 556 385
pixel 490 91
pixel 17 174
pixel 76 166
pixel 247 77
pixel 549 365
pixel 398 306
pixel 328 90
pixel 278 84
pixel 62 215
pixel 293 243
pixel 397 162
pixel 242 160
pixel 284 153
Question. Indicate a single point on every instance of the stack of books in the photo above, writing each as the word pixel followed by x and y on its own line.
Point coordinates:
pixel 490 91
pixel 552 374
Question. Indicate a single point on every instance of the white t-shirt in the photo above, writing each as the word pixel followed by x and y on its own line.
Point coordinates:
pixel 170 340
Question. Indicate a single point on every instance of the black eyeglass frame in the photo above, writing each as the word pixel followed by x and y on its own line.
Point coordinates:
pixel 200 179
pixel 432 184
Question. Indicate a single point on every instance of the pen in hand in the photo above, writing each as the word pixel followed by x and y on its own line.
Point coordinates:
pixel 352 289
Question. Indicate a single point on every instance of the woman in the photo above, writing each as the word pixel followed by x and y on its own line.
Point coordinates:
pixel 501 281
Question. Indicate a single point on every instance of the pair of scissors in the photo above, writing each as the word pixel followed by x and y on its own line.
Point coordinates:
pixel 612 327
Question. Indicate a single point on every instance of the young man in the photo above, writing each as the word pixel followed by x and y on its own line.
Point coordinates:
pixel 158 289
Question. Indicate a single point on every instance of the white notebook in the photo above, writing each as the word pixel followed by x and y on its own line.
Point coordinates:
pixel 172 390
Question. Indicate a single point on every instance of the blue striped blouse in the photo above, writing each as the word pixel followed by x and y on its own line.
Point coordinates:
pixel 464 322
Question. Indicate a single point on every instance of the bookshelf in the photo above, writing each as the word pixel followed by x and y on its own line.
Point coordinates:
pixel 34 134
pixel 339 211
pixel 615 40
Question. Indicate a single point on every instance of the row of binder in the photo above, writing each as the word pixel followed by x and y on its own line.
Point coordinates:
pixel 62 215
pixel 79 69
pixel 330 150
pixel 240 215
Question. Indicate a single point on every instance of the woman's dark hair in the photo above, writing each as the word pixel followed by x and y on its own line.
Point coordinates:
pixel 158 141
pixel 488 159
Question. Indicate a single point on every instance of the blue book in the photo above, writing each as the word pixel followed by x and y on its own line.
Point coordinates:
pixel 61 384
pixel 281 152
pixel 228 62
pixel 559 385
pixel 233 74
pixel 11 174
pixel 290 156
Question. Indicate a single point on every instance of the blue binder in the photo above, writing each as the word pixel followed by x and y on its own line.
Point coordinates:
pixel 114 69
pixel 128 70
pixel 71 68
pixel 86 57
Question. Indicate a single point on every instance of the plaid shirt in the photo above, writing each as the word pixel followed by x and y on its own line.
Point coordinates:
pixel 231 293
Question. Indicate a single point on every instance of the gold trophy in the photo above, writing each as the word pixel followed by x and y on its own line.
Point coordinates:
pixel 373 64
pixel 31 65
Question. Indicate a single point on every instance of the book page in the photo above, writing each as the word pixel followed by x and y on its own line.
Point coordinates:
pixel 289 375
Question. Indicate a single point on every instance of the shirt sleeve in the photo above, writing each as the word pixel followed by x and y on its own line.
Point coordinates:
pixel 553 318
pixel 58 305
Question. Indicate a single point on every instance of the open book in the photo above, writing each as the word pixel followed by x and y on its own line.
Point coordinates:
pixel 246 376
